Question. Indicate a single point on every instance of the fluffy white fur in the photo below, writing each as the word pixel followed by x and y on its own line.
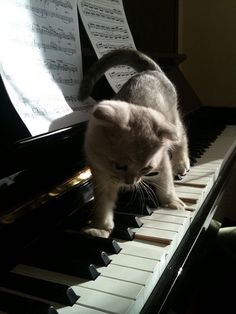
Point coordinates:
pixel 130 137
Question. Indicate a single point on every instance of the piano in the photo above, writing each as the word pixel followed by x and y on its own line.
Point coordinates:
pixel 47 266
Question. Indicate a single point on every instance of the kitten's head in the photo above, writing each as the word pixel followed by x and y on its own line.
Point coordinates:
pixel 127 141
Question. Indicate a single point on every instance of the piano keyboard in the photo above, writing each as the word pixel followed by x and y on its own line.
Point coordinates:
pixel 126 283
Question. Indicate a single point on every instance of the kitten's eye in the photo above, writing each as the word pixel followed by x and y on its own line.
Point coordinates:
pixel 146 169
pixel 147 172
pixel 152 174
pixel 121 167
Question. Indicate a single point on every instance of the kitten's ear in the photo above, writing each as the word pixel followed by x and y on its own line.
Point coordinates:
pixel 104 113
pixel 167 131
pixel 113 113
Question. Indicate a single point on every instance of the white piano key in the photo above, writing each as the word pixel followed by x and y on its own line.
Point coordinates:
pixel 102 301
pixel 134 248
pixel 167 215
pixel 133 262
pixel 155 235
pixel 207 167
pixel 131 291
pixel 192 207
pixel 172 212
pixel 114 286
pixel 149 223
pixel 151 250
pixel 213 172
pixel 126 274
pixel 189 189
pixel 196 180
pixel 189 197
pixel 78 309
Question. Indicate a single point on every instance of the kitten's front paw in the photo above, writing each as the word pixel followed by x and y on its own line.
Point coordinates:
pixel 175 204
pixel 181 166
pixel 96 232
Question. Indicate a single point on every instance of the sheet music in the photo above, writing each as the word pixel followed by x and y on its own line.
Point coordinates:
pixel 41 61
pixel 107 28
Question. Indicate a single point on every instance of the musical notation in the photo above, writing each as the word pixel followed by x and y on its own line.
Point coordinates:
pixel 105 47
pixel 44 77
pixel 60 3
pixel 66 81
pixel 72 98
pixel 107 28
pixel 110 36
pixel 102 16
pixel 53 46
pixel 122 74
pixel 60 65
pixel 100 9
pixel 44 13
pixel 52 32
pixel 73 101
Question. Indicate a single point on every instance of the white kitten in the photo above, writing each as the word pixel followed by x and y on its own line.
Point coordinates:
pixel 128 138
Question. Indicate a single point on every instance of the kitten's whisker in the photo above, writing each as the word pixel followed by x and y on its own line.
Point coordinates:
pixel 150 193
pixel 159 187
pixel 142 196
pixel 134 192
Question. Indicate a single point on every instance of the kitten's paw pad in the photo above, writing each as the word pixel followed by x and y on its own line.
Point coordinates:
pixel 96 232
pixel 176 204
pixel 181 167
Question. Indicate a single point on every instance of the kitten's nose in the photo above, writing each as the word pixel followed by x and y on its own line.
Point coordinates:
pixel 130 179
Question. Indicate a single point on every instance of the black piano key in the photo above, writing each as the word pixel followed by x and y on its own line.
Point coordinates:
pixel 193 161
pixel 148 211
pixel 136 209
pixel 123 234
pixel 59 262
pixel 73 268
pixel 195 153
pixel 40 288
pixel 13 304
pixel 151 202
pixel 70 247
pixel 84 241
pixel 96 256
pixel 128 220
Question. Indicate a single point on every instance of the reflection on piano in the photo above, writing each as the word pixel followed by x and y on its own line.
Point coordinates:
pixel 47 266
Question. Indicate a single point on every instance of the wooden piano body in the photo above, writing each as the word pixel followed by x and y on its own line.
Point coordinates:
pixel 46 195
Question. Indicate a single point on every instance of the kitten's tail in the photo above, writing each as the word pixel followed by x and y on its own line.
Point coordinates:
pixel 131 57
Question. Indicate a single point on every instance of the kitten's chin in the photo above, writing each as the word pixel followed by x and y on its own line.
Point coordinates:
pixel 115 180
pixel 131 185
